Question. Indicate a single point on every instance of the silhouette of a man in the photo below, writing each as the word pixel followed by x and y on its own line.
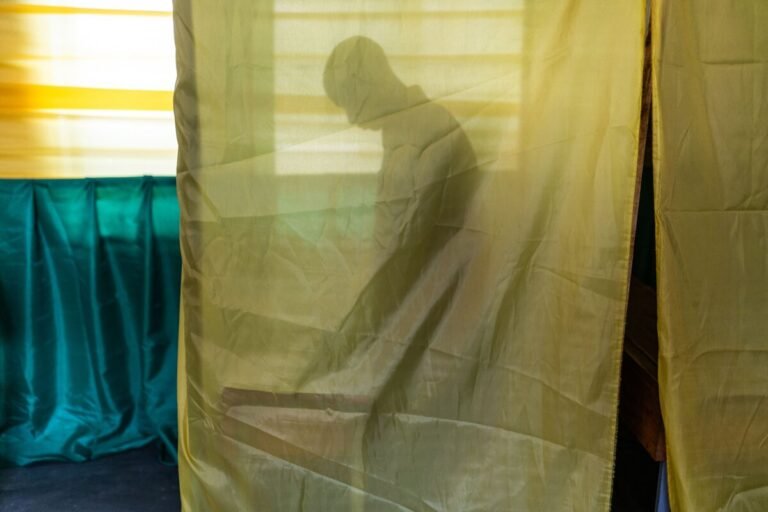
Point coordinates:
pixel 422 181
pixel 425 186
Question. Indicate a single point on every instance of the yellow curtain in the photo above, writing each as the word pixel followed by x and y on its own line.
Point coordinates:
pixel 711 159
pixel 406 230
pixel 86 88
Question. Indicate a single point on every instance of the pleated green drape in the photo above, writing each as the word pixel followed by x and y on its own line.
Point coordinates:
pixel 89 287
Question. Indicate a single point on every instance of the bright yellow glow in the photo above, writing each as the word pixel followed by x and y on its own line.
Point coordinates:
pixel 165 6
pixel 88 85
pixel 102 51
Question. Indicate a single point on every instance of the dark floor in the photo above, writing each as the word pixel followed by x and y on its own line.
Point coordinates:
pixel 136 481
pixel 133 481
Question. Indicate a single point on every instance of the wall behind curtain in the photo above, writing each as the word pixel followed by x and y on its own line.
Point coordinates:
pixel 425 314
pixel 85 88
pixel 711 160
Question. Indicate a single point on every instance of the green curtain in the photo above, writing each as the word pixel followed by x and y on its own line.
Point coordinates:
pixel 89 297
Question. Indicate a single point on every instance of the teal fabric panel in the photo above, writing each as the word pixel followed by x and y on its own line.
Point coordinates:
pixel 89 298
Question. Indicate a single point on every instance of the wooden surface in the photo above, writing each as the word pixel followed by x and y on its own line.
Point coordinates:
pixel 639 406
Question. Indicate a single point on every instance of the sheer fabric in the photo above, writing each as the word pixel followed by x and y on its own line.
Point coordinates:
pixel 711 125
pixel 405 230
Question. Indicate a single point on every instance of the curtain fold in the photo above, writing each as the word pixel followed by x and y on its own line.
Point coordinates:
pixel 405 231
pixel 711 183
pixel 89 285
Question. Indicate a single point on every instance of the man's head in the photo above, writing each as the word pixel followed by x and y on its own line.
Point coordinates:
pixel 359 79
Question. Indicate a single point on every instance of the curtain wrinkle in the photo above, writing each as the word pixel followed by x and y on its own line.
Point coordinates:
pixel 89 283
pixel 712 260
pixel 362 195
